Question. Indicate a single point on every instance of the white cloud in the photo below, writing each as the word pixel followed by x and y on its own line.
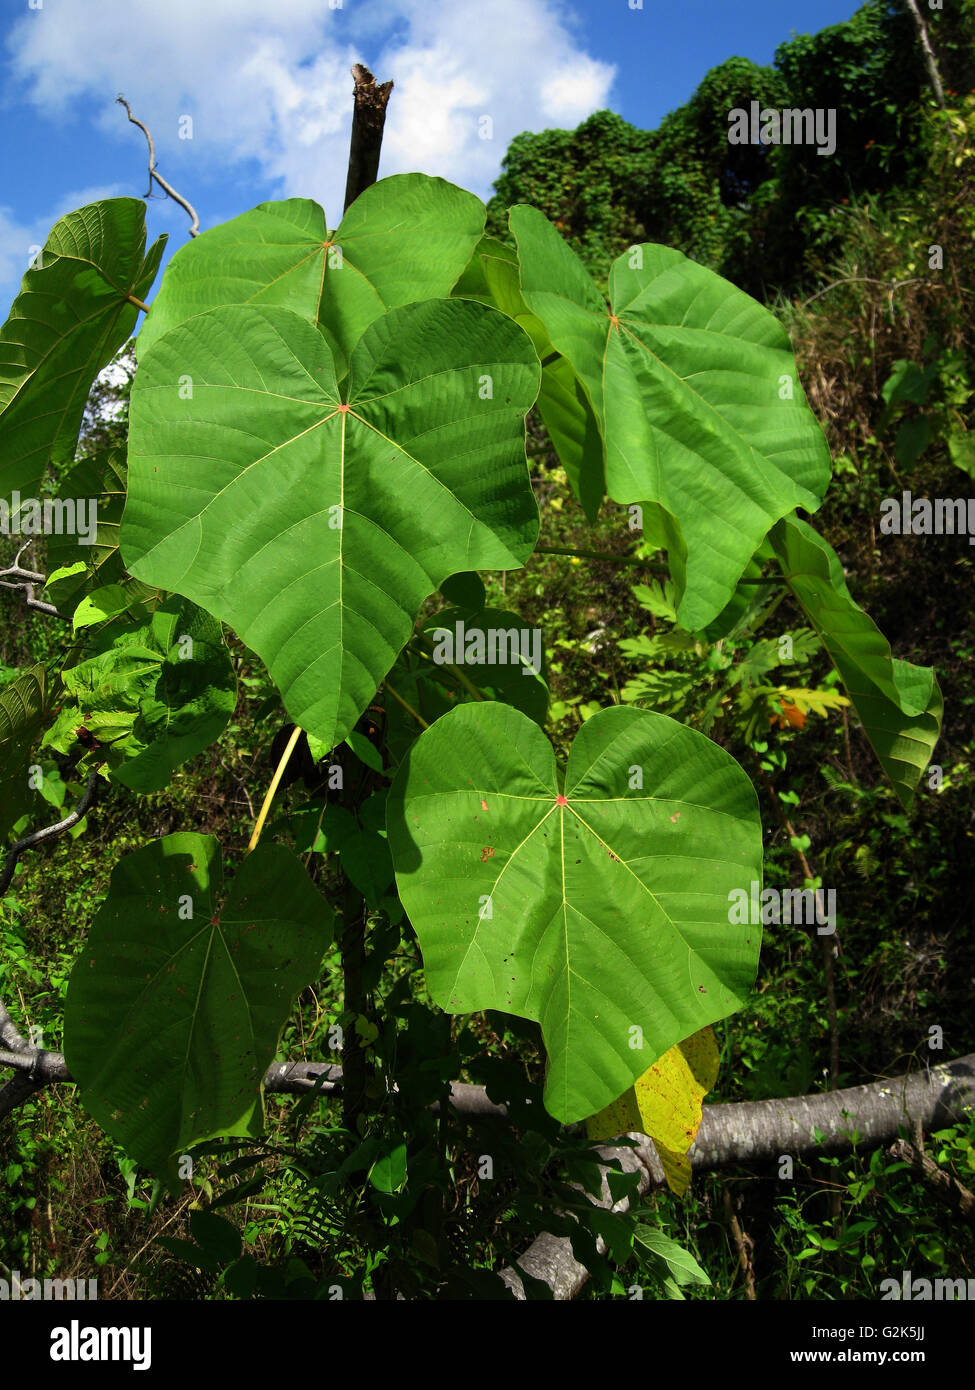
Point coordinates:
pixel 271 83
pixel 515 61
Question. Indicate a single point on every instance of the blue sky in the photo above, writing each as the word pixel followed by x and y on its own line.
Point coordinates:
pixel 266 84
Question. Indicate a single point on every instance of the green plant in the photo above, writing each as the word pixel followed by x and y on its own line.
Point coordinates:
pixel 327 430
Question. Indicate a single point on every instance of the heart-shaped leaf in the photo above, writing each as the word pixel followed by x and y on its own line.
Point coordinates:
pixel 405 238
pixel 593 909
pixel 74 311
pixel 899 705
pixel 175 1005
pixel 316 522
pixel 388 1174
pixel 157 689
pixel 694 388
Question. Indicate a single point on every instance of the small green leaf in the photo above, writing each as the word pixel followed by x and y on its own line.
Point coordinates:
pixel 365 750
pixel 679 1263
pixel 388 1174
pixel 104 603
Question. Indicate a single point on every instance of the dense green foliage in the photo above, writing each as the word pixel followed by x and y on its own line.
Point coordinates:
pixel 764 216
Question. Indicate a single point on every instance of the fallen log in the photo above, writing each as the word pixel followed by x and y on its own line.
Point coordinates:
pixel 753 1131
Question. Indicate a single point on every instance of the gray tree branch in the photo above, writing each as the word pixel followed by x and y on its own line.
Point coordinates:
pixel 154 174
pixel 16 577
pixel 766 1129
pixel 930 62
pixel 49 832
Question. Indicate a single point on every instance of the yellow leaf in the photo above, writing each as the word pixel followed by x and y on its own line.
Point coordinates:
pixel 665 1104
pixel 677 1168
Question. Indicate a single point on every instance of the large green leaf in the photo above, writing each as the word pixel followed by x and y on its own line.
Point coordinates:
pixel 24 711
pixel 313 521
pixel 685 375
pixel 171 1019
pixel 405 238
pixel 592 904
pixel 899 704
pixel 73 313
pixel 157 688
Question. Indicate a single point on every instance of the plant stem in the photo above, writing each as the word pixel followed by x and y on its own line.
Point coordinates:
pixel 278 774
pixel 352 945
pixel 602 555
pixel 455 671
pixel 409 708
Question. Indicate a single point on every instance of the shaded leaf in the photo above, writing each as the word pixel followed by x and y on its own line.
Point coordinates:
pixel 512 680
pixel 99 479
pixel 899 705
pixel 24 712
pixel 171 1020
